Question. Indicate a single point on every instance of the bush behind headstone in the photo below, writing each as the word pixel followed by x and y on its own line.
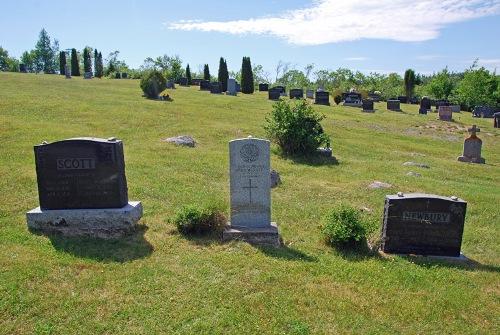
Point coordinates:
pixel 153 83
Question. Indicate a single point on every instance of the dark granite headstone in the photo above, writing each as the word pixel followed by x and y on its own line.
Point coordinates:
pixel 263 87
pixel 118 75
pixel 414 101
pixel 205 85
pixel 274 93
pixel 87 75
pixel 496 121
pixel 394 105
pixel 322 98
pixel 423 224
pixel 484 111
pixel 422 111
pixel 368 106
pixel 216 88
pixel 282 89
pixel 22 68
pixel 296 93
pixel 425 103
pixel 81 173
pixel 403 99
pixel 196 81
pixel 238 87
pixel 124 75
pixel 183 81
pixel 441 103
pixel 374 97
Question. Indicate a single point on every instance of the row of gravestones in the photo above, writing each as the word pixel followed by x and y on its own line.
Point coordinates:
pixel 83 192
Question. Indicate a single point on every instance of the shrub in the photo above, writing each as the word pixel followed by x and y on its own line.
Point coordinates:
pixel 343 226
pixel 337 99
pixel 193 220
pixel 153 83
pixel 296 129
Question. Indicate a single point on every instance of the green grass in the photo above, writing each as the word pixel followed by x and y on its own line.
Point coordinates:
pixel 158 281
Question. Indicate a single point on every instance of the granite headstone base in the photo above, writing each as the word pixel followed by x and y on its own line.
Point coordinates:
pixel 104 223
pixel 466 159
pixel 254 235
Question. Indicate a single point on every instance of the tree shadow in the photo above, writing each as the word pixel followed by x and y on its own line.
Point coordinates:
pixel 285 253
pixel 355 251
pixel 125 249
pixel 459 263
pixel 312 160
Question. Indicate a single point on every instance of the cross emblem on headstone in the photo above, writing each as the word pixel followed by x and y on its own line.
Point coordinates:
pixel 473 131
pixel 250 187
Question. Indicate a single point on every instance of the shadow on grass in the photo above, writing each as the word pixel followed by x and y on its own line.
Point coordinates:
pixel 449 262
pixel 125 249
pixel 355 252
pixel 315 160
pixel 285 253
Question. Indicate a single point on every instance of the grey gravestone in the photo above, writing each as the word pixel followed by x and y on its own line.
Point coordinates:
pixel 394 105
pixel 231 87
pixel 216 88
pixel 368 106
pixel 170 84
pixel 472 148
pixel 322 98
pixel 310 94
pixel 274 93
pixel 250 193
pixel 445 113
pixel 296 93
pixel 205 85
pixel 81 173
pixel 484 111
pixel 263 87
pixel 67 71
pixel 183 81
pixel 423 224
pixel 83 190
pixel 455 108
pixel 87 75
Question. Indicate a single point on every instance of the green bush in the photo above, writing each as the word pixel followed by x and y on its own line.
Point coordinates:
pixel 153 83
pixel 193 220
pixel 295 127
pixel 337 99
pixel 343 226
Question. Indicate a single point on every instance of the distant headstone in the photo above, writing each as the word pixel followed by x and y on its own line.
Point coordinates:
pixel 403 99
pixel 118 75
pixel 87 75
pixel 496 121
pixel 22 68
pixel 368 106
pixel 171 84
pixel 445 113
pixel 440 103
pixel 274 93
pixel 423 224
pixel 205 85
pixel 124 75
pixel 310 94
pixel 422 111
pixel 414 100
pixel 82 189
pixel 322 98
pixel 394 105
pixel 216 88
pixel 472 148
pixel 196 81
pixel 374 97
pixel 484 111
pixel 231 87
pixel 296 93
pixel 320 88
pixel 67 71
pixel 455 108
pixel 352 99
pixel 425 103
pixel 263 87
pixel 183 81
pixel 238 87
pixel 250 189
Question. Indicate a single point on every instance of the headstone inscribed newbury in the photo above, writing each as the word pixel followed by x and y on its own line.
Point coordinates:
pixel 250 187
pixel 423 224
pixel 82 189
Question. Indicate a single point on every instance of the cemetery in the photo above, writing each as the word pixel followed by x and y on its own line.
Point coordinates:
pixel 94 176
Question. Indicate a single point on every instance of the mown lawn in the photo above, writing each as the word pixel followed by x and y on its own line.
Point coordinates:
pixel 159 281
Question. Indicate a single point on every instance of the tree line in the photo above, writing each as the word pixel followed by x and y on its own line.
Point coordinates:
pixel 474 87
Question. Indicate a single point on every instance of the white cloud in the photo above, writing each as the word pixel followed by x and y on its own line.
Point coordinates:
pixel 330 21
pixel 356 58
pixel 428 57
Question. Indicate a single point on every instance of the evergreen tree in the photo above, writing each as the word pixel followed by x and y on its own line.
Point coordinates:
pixel 87 63
pixel 100 66
pixel 223 74
pixel 188 74
pixel 247 83
pixel 75 66
pixel 96 61
pixel 62 63
pixel 409 83
pixel 45 53
pixel 206 72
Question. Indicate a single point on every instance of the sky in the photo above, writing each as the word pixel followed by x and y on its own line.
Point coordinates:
pixel 381 36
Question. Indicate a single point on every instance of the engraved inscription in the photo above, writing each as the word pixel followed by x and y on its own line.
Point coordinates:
pixel 427 217
pixel 76 164
pixel 249 153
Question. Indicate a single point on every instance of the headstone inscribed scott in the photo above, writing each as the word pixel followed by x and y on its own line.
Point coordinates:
pixel 296 93
pixel 472 148
pixel 322 98
pixel 81 173
pixel 445 113
pixel 250 183
pixel 423 224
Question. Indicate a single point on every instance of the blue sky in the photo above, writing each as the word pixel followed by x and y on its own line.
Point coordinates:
pixel 370 36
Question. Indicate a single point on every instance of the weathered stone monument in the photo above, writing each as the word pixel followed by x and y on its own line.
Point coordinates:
pixel 82 189
pixel 67 71
pixel 231 87
pixel 445 113
pixel 87 75
pixel 171 84
pixel 352 99
pixel 472 148
pixel 250 198
pixel 296 93
pixel 425 105
pixel 322 98
pixel 423 224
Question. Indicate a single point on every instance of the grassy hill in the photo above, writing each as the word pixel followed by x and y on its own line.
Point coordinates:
pixel 158 281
